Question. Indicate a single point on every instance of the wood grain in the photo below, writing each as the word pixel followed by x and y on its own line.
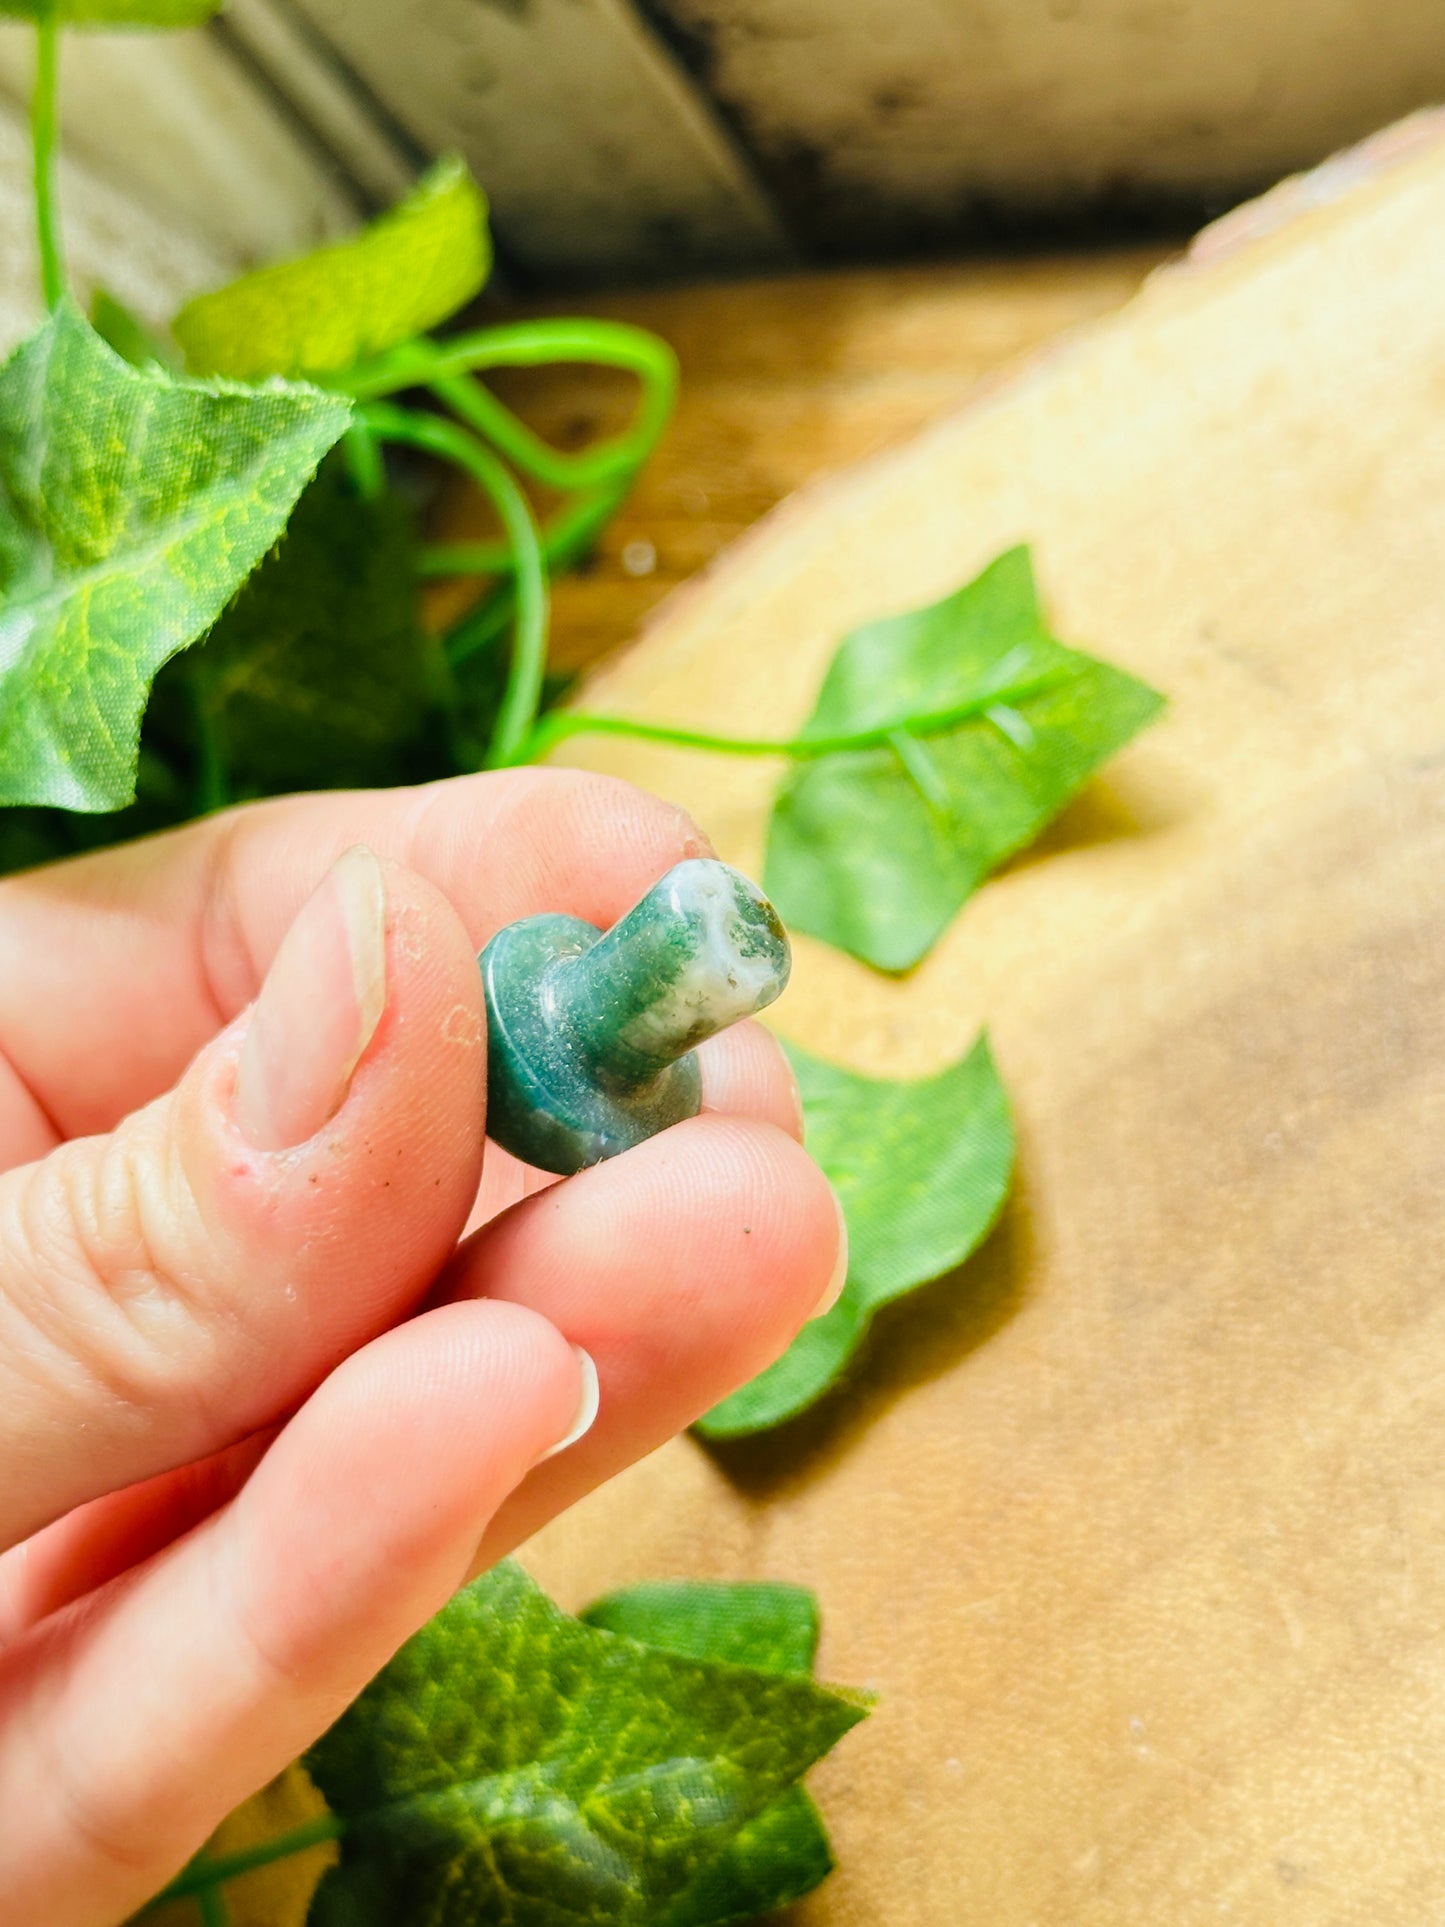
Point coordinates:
pixel 783 380
pixel 1137 1525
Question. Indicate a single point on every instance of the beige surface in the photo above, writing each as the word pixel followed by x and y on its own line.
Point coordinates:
pixel 1138 1525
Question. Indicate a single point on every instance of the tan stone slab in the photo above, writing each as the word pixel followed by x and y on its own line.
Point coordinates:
pixel 1137 1525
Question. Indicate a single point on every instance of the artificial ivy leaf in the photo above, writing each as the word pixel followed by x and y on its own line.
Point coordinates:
pixel 875 850
pixel 753 1623
pixel 132 506
pixel 513 1764
pixel 113 13
pixel 784 1853
pixel 325 312
pixel 922 1167
pixel 771 1862
pixel 318 675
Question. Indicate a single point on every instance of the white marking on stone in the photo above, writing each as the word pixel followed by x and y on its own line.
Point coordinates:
pixel 719 985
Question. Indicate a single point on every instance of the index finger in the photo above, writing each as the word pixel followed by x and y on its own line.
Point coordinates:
pixel 116 968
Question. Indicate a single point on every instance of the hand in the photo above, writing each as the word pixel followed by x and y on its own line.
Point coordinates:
pixel 260 1412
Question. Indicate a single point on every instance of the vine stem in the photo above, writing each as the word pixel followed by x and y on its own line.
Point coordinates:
pixel 565 539
pixel 206 1871
pixel 363 462
pixel 530 344
pixel 562 723
pixel 523 693
pixel 602 474
pixel 555 468
pixel 213 786
pixel 448 367
pixel 214 1911
pixel 43 115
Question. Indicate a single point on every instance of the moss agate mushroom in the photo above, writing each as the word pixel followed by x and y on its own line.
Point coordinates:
pixel 591 1037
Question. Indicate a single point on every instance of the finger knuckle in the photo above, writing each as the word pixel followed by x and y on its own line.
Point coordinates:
pixel 584 804
pixel 104 1257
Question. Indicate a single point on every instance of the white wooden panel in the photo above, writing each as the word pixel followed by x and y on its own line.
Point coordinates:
pixel 109 240
pixel 177 121
pixel 595 152
pixel 299 65
pixel 890 119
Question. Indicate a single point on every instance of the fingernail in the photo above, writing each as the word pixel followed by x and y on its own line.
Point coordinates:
pixel 318 1009
pixel 587 1405
pixel 695 839
pixel 833 1291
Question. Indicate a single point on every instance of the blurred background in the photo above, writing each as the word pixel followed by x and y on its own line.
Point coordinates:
pixel 623 142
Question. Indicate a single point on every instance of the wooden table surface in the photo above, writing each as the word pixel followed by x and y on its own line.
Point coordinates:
pixel 783 381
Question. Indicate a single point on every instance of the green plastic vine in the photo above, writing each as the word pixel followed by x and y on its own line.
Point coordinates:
pixel 565 539
pixel 522 696
pixel 363 462
pixel 600 476
pixel 531 344
pixel 562 723
pixel 351 318
pixel 43 118
pixel 214 1911
pixel 207 1872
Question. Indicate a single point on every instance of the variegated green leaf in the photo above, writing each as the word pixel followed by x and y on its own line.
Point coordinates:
pixel 876 849
pixel 921 1167
pixel 513 1764
pixel 325 312
pixel 132 507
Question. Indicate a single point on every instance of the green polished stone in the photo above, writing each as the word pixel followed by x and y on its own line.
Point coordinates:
pixel 591 1037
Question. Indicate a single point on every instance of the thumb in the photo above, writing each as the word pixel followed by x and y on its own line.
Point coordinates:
pixel 191 1277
